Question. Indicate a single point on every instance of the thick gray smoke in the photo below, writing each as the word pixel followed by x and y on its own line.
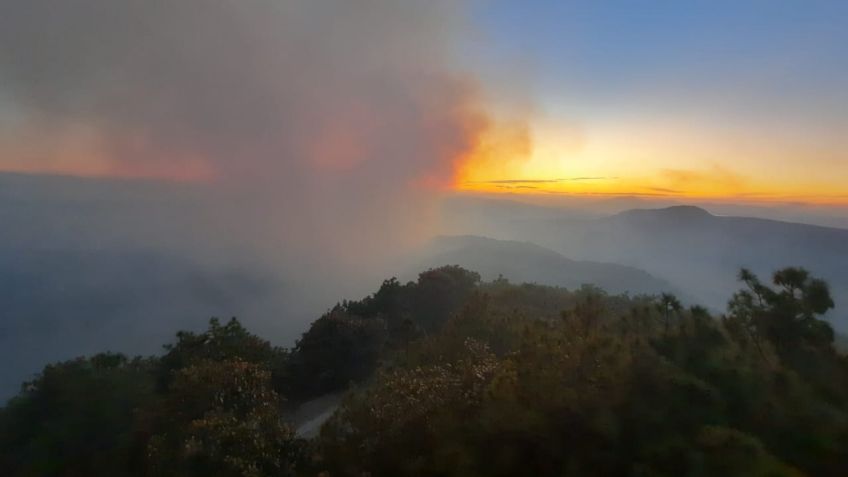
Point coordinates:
pixel 325 111
pixel 314 132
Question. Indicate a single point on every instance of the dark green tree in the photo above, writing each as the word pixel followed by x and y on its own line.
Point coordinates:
pixel 221 418
pixel 77 419
pixel 337 350
pixel 218 343
pixel 667 305
pixel 787 316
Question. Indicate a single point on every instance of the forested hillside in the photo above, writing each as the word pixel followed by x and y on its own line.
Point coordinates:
pixel 448 375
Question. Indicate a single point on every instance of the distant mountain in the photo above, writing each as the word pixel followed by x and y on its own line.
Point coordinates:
pixel 699 252
pixel 676 213
pixel 465 214
pixel 526 262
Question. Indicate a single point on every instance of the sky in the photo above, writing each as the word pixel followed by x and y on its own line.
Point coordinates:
pixel 741 100
pixel 726 100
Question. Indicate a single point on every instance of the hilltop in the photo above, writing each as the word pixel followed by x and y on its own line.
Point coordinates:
pixel 449 375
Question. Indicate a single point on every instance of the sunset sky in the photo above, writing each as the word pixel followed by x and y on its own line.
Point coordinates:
pixel 727 100
pixel 720 99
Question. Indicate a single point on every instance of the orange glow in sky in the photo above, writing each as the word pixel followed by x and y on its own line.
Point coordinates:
pixel 660 159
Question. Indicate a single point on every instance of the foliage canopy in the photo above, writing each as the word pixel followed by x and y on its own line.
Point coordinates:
pixel 450 376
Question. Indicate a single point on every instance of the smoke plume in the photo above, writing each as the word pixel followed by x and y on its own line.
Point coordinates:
pixel 321 119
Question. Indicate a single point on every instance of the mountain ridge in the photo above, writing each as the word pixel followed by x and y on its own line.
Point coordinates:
pixel 530 262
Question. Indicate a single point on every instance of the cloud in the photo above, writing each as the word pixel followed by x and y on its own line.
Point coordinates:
pixel 519 181
pixel 665 190
pixel 716 178
pixel 542 181
pixel 512 187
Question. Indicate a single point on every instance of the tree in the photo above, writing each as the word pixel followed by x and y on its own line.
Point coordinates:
pixel 222 418
pixel 787 316
pixel 76 418
pixel 338 349
pixel 667 305
pixel 218 343
pixel 440 292
pixel 588 310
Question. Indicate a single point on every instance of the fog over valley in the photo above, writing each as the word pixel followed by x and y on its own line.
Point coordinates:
pixel 94 264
